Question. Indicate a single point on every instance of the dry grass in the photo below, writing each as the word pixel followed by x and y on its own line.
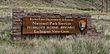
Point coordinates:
pixel 56 46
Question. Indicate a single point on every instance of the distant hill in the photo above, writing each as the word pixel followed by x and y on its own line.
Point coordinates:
pixel 72 4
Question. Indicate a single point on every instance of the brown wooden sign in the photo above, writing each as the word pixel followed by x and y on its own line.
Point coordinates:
pixel 38 25
pixel 30 23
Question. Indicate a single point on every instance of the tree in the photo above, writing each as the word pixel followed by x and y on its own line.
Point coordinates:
pixel 102 8
pixel 107 5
